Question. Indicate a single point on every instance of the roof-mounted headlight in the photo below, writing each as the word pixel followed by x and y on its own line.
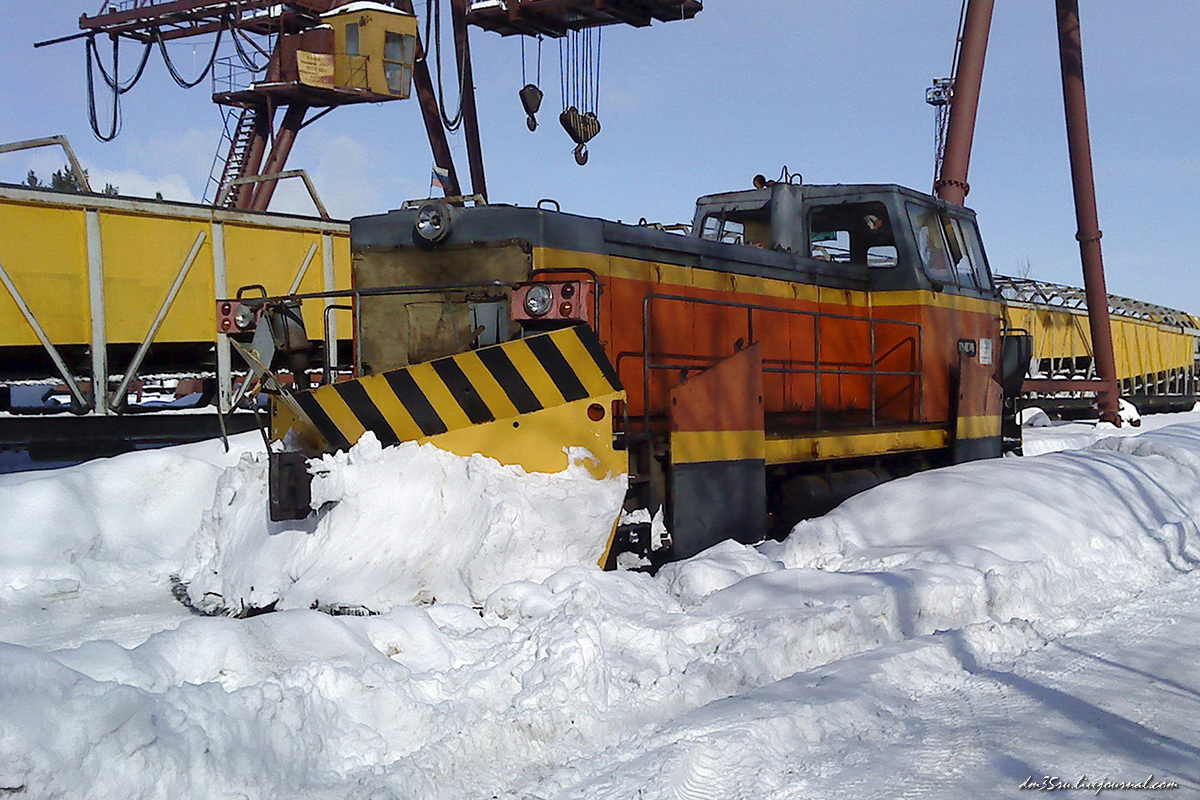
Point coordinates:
pixel 433 222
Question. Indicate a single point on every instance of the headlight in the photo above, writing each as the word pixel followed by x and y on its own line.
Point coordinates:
pixel 244 317
pixel 538 300
pixel 433 222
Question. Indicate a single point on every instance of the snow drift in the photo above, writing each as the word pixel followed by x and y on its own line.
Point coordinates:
pixel 726 675
pixel 108 521
pixel 405 524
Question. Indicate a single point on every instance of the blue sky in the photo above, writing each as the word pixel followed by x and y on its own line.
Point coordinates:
pixel 834 89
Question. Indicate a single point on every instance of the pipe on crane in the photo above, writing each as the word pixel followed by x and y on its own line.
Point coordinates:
pixel 1070 50
pixel 951 184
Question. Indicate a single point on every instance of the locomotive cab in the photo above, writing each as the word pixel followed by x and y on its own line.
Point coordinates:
pixel 889 236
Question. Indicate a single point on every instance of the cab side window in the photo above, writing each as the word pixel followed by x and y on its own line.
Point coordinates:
pixel 931 244
pixel 738 227
pixel 719 228
pixel 960 258
pixel 971 235
pixel 852 233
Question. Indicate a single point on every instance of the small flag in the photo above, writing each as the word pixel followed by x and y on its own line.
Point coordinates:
pixel 437 179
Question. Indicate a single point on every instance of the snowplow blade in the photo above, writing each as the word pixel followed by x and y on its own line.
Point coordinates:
pixel 523 403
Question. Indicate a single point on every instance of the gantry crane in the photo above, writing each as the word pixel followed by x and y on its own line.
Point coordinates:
pixel 302 56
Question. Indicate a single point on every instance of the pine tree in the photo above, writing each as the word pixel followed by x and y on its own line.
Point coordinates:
pixel 64 180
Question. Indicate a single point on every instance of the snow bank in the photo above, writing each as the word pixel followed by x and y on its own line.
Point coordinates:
pixel 1014 538
pixel 107 521
pixel 719 677
pixel 1059 436
pixel 398 525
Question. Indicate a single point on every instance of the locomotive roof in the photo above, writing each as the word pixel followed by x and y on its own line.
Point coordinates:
pixel 825 190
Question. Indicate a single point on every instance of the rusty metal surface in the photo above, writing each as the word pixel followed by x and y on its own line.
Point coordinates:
pixel 257 148
pixel 285 137
pixel 727 396
pixel 470 117
pixel 181 18
pixel 1086 215
pixel 556 18
pixel 951 184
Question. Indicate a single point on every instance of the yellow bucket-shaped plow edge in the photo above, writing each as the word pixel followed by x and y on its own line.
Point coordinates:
pixel 522 403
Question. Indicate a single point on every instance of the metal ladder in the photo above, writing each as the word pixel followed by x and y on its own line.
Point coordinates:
pixel 236 137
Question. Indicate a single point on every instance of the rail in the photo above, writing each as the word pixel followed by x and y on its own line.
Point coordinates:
pixel 817 370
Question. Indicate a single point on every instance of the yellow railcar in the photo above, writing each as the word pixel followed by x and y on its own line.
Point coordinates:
pixel 115 287
pixel 1155 347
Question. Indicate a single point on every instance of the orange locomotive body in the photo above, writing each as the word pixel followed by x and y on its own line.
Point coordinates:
pixel 798 345
pixel 801 344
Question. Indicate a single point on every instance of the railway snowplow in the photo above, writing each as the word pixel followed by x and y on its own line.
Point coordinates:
pixel 800 344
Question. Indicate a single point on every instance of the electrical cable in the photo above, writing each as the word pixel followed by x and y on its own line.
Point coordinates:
pixel 93 118
pixel 212 58
pixel 113 82
pixel 247 60
pixel 455 121
pixel 238 44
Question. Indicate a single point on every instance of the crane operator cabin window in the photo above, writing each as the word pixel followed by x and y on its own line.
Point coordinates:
pixel 852 233
pixel 398 57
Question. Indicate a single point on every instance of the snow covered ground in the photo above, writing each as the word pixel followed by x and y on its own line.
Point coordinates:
pixel 947 635
pixel 1064 435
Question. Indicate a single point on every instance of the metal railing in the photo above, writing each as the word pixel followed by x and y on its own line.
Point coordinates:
pixel 231 75
pixel 357 294
pixel 818 369
pixel 1044 294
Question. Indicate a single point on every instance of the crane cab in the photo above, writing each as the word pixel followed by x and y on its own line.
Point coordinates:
pixel 374 48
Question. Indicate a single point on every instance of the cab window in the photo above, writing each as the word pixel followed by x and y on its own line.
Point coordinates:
pixel 978 259
pixel 852 233
pixel 957 250
pixel 931 244
pixel 719 228
pixel 738 227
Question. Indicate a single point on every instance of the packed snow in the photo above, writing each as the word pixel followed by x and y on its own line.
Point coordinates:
pixel 396 526
pixel 950 634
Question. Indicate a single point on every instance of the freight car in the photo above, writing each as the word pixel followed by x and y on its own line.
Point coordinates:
pixel 99 293
pixel 1155 347
pixel 803 343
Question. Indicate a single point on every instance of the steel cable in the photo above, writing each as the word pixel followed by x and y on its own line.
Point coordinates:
pixel 452 122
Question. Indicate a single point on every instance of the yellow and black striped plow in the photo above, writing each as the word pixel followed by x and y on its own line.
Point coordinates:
pixel 522 402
